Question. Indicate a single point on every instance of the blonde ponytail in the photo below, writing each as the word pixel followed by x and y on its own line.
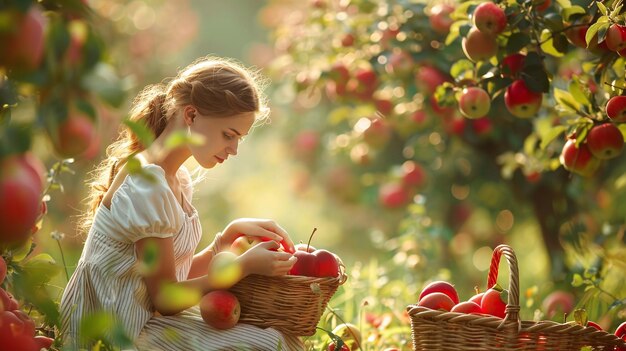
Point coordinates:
pixel 217 87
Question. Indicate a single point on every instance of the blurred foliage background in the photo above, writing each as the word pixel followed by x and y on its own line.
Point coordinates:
pixel 446 230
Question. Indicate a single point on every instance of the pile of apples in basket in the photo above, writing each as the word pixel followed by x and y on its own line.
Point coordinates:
pixel 221 309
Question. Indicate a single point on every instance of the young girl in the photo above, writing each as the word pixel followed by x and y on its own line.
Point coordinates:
pixel 137 216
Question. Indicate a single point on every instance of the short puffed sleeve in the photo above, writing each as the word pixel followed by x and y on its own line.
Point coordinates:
pixel 146 207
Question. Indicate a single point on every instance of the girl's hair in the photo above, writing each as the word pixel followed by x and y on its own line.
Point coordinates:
pixel 216 87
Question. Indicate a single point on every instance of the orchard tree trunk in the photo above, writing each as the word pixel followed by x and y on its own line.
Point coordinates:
pixel 553 208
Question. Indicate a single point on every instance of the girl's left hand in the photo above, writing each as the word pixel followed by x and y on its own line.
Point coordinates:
pixel 263 228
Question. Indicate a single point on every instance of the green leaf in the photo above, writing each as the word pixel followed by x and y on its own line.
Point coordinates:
pixel 564 3
pixel 141 130
pixel 547 44
pixel 183 138
pixel 18 254
pixel 617 10
pixel 461 67
pixel 339 115
pixel 566 100
pixel 536 79
pixel 517 41
pixel 41 268
pixel 568 12
pixel 551 134
pixel 553 21
pixel 602 23
pixel 577 93
pixel 602 8
pixel 577 280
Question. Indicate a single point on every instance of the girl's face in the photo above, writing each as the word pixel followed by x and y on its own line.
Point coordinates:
pixel 221 137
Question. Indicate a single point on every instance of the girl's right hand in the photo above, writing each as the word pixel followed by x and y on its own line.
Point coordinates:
pixel 260 259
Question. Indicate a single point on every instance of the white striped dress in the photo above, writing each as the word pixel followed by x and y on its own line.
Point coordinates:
pixel 106 278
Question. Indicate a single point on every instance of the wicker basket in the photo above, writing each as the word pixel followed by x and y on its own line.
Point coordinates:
pixel 291 304
pixel 440 330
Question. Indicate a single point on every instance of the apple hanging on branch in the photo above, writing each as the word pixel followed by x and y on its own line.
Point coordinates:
pixel 314 263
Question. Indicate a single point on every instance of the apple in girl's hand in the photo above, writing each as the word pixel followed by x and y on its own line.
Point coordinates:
pixel 304 247
pixel 220 309
pixel 243 243
pixel 314 263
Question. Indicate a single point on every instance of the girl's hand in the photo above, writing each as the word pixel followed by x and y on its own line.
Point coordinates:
pixel 263 228
pixel 260 259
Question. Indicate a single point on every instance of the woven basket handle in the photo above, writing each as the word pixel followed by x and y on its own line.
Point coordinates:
pixel 512 307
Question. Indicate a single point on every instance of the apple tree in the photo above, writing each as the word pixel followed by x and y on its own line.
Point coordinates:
pixel 426 114
pixel 54 75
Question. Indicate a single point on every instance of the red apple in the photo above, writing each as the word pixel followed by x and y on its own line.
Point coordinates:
pixel 347 40
pixel 479 46
pixel 605 141
pixel 400 63
pixel 558 301
pixel 327 265
pixel 620 332
pixel 23 44
pixel 393 195
pixel 43 342
pixel 419 117
pixel 306 265
pixel 441 287
pixel 436 301
pixel 29 324
pixel 74 135
pixel 541 5
pixel 333 347
pixel 20 197
pixel 578 160
pixel 376 131
pixel 413 174
pixel 482 126
pixel 306 143
pixel 13 333
pixel 576 35
pixel 339 73
pixel 428 78
pixel 512 65
pixel 466 307
pixel 474 102
pixel 363 84
pixel 489 18
pixel 440 20
pixel 616 108
pixel 478 298
pixel 304 247
pixel 383 106
pixel 3 269
pixel 494 303
pixel 220 309
pixel 616 37
pixel 521 101
pixel 243 243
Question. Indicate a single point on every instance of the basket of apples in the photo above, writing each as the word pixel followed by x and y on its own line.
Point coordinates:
pixel 491 321
pixel 293 303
